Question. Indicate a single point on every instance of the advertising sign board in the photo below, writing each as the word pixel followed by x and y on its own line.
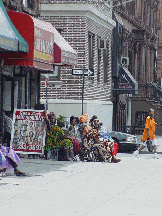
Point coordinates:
pixel 28 131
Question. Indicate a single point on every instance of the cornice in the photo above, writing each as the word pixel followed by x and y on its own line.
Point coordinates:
pixel 83 10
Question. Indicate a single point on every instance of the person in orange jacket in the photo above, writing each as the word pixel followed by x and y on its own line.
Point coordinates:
pixel 149 133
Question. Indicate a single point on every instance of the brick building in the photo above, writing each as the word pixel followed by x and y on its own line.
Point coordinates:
pixel 14 79
pixel 159 33
pixel 139 44
pixel 27 49
pixel 87 26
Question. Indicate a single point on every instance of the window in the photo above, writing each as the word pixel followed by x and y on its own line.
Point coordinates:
pixel 90 50
pixel 19 93
pixel 98 59
pixel 141 118
pixel 30 4
pixel 7 95
pixel 105 64
pixel 25 3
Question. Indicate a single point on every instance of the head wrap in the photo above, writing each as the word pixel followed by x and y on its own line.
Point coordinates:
pixel 61 121
pixel 84 118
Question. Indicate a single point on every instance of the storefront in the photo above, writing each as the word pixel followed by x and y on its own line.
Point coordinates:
pixel 10 41
pixel 22 69
pixel 26 67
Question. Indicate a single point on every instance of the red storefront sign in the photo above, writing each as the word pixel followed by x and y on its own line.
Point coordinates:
pixel 43 45
pixel 64 54
pixel 40 39
pixel 46 46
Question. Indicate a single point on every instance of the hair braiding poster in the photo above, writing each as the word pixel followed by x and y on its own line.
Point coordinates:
pixel 28 131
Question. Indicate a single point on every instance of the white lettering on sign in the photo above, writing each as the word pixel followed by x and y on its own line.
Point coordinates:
pixel 38 33
pixel 32 116
pixel 43 46
pixel 43 41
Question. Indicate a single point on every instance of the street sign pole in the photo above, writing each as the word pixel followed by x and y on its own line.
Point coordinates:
pixel 83 72
pixel 46 99
pixel 82 89
pixel 46 83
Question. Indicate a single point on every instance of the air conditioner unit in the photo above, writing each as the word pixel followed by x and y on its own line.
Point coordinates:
pixel 125 60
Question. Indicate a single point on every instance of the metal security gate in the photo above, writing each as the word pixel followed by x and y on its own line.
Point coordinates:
pixel 121 117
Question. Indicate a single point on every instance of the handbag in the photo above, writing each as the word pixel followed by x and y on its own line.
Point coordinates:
pixel 149 145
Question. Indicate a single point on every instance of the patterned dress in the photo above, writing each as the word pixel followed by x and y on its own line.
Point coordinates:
pixel 103 148
pixel 9 158
pixel 72 132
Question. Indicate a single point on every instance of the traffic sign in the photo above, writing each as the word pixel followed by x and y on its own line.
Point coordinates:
pixel 79 72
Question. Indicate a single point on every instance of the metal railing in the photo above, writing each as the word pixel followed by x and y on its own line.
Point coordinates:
pixel 156 92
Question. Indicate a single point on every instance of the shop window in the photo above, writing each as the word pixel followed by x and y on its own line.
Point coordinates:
pixel 141 118
pixel 7 96
pixel 19 93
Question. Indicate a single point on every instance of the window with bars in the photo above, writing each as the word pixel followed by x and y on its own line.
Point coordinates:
pixel 140 119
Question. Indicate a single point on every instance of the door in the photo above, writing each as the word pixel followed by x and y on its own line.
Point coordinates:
pixel 20 92
pixel 121 117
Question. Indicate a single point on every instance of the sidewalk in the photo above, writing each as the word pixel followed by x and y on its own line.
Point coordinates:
pixel 131 187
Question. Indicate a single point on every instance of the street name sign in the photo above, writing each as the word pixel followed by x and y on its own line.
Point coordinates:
pixel 79 72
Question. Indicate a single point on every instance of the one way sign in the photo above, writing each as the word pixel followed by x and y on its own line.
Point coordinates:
pixel 81 71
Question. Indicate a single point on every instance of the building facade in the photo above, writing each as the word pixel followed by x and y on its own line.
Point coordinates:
pixel 26 50
pixel 15 79
pixel 87 26
pixel 139 45
pixel 159 51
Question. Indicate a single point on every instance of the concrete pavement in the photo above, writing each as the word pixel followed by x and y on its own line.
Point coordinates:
pixel 131 187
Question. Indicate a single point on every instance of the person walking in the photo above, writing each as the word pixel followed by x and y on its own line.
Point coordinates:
pixel 149 133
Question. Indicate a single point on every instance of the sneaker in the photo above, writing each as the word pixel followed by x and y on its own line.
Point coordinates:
pixel 136 153
pixel 156 156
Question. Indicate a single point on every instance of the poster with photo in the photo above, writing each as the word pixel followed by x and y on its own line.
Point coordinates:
pixel 28 131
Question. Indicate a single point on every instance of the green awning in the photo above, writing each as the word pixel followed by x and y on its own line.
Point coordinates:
pixel 10 38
